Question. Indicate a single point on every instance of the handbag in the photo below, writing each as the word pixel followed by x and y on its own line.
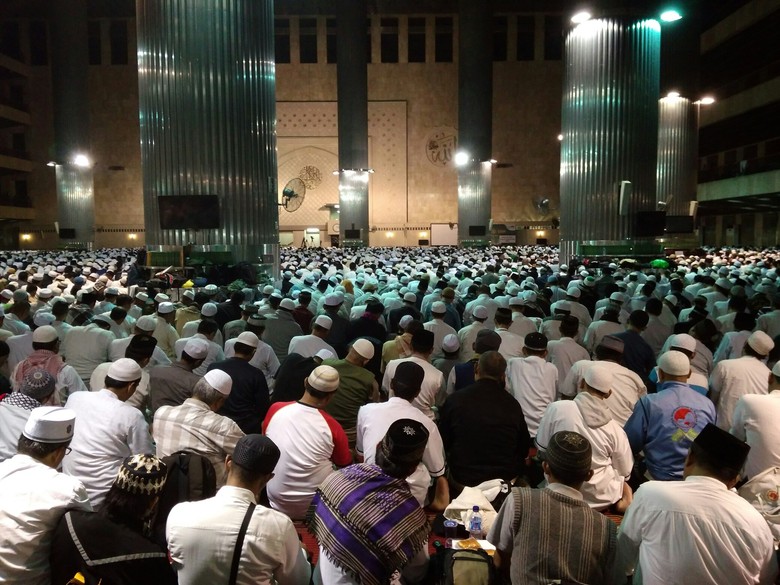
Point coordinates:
pixel 240 544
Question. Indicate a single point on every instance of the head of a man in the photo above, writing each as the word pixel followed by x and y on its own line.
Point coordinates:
pixel 567 459
pixel 407 381
pixel 213 389
pixel 491 366
pixel 674 366
pixel 123 378
pixel 535 344
pixel 401 449
pixel 133 497
pixel 597 381
pixel 252 463
pixel 321 385
pixel 140 349
pixel 246 345
pixel 47 434
pixel 361 352
pixel 718 454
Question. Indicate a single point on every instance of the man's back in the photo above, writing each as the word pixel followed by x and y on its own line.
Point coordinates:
pixel 733 379
pixel 170 385
pixel 534 383
pixel 248 401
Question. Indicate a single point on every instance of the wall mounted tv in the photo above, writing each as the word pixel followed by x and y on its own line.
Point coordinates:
pixel 679 224
pixel 188 212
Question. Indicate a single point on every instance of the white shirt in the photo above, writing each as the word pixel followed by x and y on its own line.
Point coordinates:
pixel 534 384
pixel 191 328
pixel 373 422
pixel 522 325
pixel 768 323
pixel 695 531
pixel 166 336
pixel 13 324
pixel 432 391
pixel 35 497
pixel 756 422
pixel 107 430
pixel 511 345
pixel 215 353
pixel 731 346
pixel 485 301
pixel 118 347
pixel 563 353
pixel 139 399
pixel 440 330
pixel 85 348
pixel 20 346
pixel 202 536
pixel 264 359
pixel 309 345
pixel 598 330
pixel 467 336
pixel 733 379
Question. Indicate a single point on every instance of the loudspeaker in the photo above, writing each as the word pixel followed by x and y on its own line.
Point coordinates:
pixel 625 196
pixel 693 207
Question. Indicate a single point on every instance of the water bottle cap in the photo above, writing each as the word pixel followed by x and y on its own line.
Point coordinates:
pixel 475 509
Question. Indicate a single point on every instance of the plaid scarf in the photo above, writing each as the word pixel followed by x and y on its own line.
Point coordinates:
pixel 39 359
pixel 20 400
pixel 368 523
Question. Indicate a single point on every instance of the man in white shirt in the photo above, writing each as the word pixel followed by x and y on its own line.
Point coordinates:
pixel 521 325
pixel 468 335
pixel 165 333
pixel 202 535
pixel 110 430
pixel 755 422
pixel 563 353
pixel 439 328
pixel 207 330
pixel 432 392
pixel 769 323
pixel 35 496
pixel 734 378
pixel 511 344
pixel 144 326
pixel 264 358
pixel 698 530
pixel 375 419
pixel 309 345
pixel 483 300
pixel 532 380
pixel 86 347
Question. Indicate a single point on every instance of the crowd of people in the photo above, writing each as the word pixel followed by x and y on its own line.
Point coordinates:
pixel 629 410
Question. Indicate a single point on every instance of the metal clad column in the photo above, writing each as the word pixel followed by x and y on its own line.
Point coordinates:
pixel 677 153
pixel 610 129
pixel 70 93
pixel 352 87
pixel 475 116
pixel 207 82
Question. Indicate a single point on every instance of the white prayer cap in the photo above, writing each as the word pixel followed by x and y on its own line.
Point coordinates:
pixel 616 297
pixel 683 341
pixel 112 290
pixel 599 378
pixel 324 321
pixel 189 294
pixel 124 370
pixel 45 293
pixel 364 348
pixel 220 381
pixel 403 323
pixel 480 312
pixel 50 424
pixel 674 363
pixel 42 318
pixel 410 297
pixel 287 304
pixel 574 292
pixel 196 348
pixel 165 308
pixel 268 289
pixel 324 378
pixel 248 338
pixel 450 343
pixel 142 296
pixel 761 343
pixel 325 354
pixel 208 310
pixel 147 323
pixel 333 300
pixel 44 334
pixel 161 298
pixel 671 299
pixel 210 289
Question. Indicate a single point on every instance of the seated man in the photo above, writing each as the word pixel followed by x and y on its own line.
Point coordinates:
pixel 15 408
pixel 368 523
pixel 310 440
pixel 195 426
pixel 202 535
pixel 587 551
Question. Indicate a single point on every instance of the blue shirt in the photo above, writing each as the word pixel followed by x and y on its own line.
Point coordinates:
pixel 664 425
pixel 653 377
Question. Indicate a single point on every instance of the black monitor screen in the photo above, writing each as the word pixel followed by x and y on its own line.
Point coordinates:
pixel 351 234
pixel 679 224
pixel 650 223
pixel 188 212
pixel 68 233
pixel 477 230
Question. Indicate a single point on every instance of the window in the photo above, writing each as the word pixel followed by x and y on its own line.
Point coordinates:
pixel 389 40
pixel 553 38
pixel 282 40
pixel 93 42
pixel 499 38
pixel 117 34
pixel 526 38
pixel 307 40
pixel 416 40
pixel 39 49
pixel 444 39
pixel 10 42
pixel 330 38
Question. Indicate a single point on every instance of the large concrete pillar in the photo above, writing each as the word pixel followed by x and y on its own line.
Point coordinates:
pixel 610 130
pixel 70 97
pixel 207 83
pixel 352 87
pixel 678 152
pixel 475 119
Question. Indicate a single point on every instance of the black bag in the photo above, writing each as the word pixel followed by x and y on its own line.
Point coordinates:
pixel 191 477
pixel 465 567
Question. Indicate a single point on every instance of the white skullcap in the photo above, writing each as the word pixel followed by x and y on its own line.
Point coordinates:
pixel 599 378
pixel 147 323
pixel 124 370
pixel 325 354
pixel 42 318
pixel 165 308
pixel 574 292
pixel 324 321
pixel 324 378
pixel 480 312
pixel 683 341
pixel 142 296
pixel 364 348
pixel 761 343
pixel 268 289
pixel 333 300
pixel 405 320
pixel 210 289
pixel 438 308
pixel 220 381
pixel 450 343
pixel 208 310
pixel 189 294
pixel 410 297
pixel 671 299
pixel 44 334
pixel 674 363
pixel 517 302
pixel 287 304
pixel 617 297
pixel 50 424
pixel 45 293
pixel 112 290
pixel 161 298
pixel 196 348
pixel 248 338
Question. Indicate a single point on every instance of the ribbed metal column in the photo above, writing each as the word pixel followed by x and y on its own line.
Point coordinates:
pixel 352 87
pixel 207 81
pixel 70 101
pixel 610 129
pixel 475 117
pixel 678 145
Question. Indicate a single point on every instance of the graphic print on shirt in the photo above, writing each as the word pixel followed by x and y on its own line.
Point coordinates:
pixel 684 418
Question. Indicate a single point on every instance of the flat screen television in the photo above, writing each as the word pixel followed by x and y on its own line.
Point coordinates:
pixel 649 224
pixel 679 224
pixel 477 230
pixel 67 233
pixel 189 212
pixel 351 234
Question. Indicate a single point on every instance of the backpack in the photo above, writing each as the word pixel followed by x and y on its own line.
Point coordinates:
pixel 191 477
pixel 466 567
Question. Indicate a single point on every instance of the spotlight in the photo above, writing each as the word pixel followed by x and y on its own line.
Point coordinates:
pixel 581 17
pixel 461 158
pixel 81 160
pixel 673 95
pixel 707 101
pixel 670 15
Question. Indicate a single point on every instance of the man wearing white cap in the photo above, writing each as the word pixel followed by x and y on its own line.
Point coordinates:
pixel 164 332
pixel 195 426
pixel 15 407
pixel 139 305
pixel 264 358
pixel 686 344
pixel 281 328
pixel 21 346
pixel 309 345
pixel 35 496
pixel 207 311
pixel 85 347
pixel 144 326
pixel 468 335
pixel 484 300
pixel 439 328
pixel 734 378
pixel 171 384
pixel 408 308
pixel 664 424
pixel 207 330
pixel 249 399
pixel 110 430
pixel 310 441
pixel 450 347
pixel 589 415
pixel 769 322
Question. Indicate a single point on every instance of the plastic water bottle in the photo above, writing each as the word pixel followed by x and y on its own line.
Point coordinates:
pixel 475 524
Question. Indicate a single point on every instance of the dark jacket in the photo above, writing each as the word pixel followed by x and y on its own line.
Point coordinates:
pixel 248 401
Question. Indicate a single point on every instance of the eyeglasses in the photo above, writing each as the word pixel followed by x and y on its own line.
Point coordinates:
pixel 68 450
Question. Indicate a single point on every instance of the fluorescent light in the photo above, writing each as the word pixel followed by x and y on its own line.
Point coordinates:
pixel 581 17
pixel 81 160
pixel 560 137
pixel 707 101
pixel 670 15
pixel 673 94
pixel 461 158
